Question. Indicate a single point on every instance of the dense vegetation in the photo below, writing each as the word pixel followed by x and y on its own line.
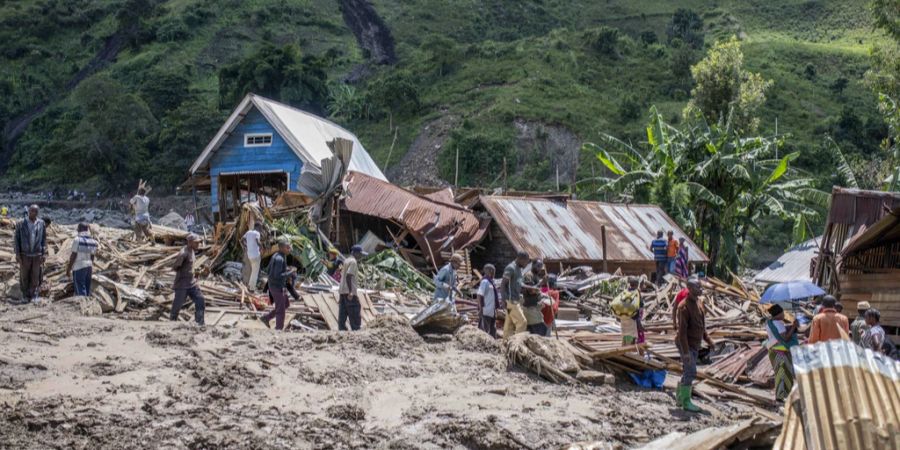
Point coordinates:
pixel 135 88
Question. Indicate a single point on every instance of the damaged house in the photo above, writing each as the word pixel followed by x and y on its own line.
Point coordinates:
pixel 261 151
pixel 567 233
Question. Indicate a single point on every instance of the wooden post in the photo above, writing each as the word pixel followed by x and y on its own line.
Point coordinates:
pixel 456 176
pixel 603 242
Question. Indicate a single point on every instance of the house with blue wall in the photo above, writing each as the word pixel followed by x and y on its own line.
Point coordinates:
pixel 262 149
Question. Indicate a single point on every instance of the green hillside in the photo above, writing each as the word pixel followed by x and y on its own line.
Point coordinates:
pixel 135 88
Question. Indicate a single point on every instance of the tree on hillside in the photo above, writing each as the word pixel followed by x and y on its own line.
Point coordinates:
pixel 395 93
pixel 281 73
pixel 108 141
pixel 723 90
pixel 685 26
pixel 184 132
pixel 884 79
pixel 716 181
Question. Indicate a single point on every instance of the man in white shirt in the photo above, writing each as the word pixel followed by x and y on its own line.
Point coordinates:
pixel 251 245
pixel 487 302
pixel 140 208
pixel 81 261
pixel 349 307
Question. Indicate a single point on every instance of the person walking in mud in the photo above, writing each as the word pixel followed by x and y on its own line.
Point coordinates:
pixel 349 308
pixel 81 260
pixel 280 274
pixel 511 290
pixel 690 332
pixel 186 283
pixel 31 252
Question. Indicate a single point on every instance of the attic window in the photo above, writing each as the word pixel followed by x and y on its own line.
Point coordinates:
pixel 258 140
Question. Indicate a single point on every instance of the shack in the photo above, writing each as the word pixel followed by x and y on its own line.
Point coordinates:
pixel 869 267
pixel 796 264
pixel 262 149
pixel 567 233
pixel 852 263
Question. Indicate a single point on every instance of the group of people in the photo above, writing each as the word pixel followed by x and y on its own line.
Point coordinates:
pixel 827 324
pixel 670 255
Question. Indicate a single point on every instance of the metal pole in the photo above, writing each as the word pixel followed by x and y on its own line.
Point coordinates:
pixel 603 241
pixel 456 176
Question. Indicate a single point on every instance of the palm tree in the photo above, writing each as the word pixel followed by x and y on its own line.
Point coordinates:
pixel 716 183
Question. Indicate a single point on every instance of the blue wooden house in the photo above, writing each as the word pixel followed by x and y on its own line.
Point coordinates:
pixel 261 150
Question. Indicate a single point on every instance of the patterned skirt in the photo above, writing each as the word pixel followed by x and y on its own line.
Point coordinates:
pixel 784 372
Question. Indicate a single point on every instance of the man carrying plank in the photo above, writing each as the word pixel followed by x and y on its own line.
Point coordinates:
pixel 140 209
pixel 186 283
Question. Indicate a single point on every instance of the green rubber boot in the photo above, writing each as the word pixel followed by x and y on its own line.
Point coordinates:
pixel 679 396
pixel 686 403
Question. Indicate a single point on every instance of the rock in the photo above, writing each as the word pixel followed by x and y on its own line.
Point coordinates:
pixel 595 377
pixel 172 220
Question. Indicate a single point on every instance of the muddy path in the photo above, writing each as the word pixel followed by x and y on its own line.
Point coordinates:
pixel 69 381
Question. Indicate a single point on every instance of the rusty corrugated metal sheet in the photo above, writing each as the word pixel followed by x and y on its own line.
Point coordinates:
pixel 571 230
pixel 793 265
pixel 860 207
pixel 846 398
pixel 436 224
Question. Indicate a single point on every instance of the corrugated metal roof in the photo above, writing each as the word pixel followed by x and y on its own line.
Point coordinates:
pixel 848 398
pixel 306 134
pixel 792 266
pixel 438 224
pixel 570 230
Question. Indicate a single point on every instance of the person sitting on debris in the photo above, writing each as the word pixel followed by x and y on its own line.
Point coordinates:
pixel 349 307
pixel 682 263
pixel 511 289
pixel 81 260
pixel 659 247
pixel 186 283
pixel 874 337
pixel 626 306
pixel 445 279
pixel 333 264
pixel 859 326
pixel 781 339
pixel 252 257
pixel 690 331
pixel 827 325
pixel 140 208
pixel 487 302
pixel 279 275
pixel 533 301
pixel 31 251
pixel 671 252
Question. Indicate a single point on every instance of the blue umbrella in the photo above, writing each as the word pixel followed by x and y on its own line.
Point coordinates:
pixel 792 290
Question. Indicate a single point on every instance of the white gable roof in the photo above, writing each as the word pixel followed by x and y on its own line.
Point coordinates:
pixel 306 134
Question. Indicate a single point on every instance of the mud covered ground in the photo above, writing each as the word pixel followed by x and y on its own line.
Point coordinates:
pixel 69 381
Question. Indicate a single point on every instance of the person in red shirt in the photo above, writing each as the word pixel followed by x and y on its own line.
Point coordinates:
pixel 549 311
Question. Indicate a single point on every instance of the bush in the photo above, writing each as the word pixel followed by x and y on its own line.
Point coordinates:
pixel 481 157
pixel 603 40
pixel 649 38
pixel 172 30
pixel 809 72
pixel 686 26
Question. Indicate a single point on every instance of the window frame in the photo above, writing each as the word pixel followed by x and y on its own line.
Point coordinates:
pixel 248 136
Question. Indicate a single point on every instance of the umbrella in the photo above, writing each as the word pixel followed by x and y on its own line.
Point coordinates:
pixel 782 292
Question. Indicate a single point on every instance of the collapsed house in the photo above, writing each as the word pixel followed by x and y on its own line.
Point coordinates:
pixel 859 254
pixel 567 233
pixel 423 230
pixel 262 150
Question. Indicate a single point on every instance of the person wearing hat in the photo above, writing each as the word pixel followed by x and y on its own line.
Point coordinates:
pixel 828 324
pixel 333 264
pixel 349 308
pixel 279 276
pixel 781 339
pixel 859 326
pixel 690 331
pixel 445 280
pixel 186 283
